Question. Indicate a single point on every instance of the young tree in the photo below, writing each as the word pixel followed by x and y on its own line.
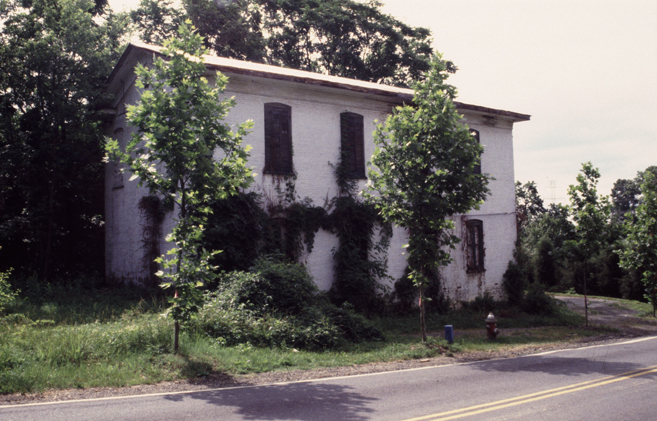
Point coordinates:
pixel 55 56
pixel 640 252
pixel 179 126
pixel 423 173
pixel 591 217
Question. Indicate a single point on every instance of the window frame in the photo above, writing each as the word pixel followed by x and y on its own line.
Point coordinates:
pixel 474 245
pixel 278 139
pixel 352 144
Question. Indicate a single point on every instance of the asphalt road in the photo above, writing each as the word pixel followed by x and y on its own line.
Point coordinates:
pixel 608 382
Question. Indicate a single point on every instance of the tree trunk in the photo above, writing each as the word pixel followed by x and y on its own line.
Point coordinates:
pixel 423 326
pixel 586 300
pixel 176 335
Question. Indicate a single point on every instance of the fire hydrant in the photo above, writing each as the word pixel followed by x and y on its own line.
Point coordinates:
pixel 491 326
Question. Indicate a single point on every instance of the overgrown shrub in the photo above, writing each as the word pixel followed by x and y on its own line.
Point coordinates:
pixel 404 298
pixel 482 303
pixel 536 301
pixel 278 304
pixel 7 295
pixel 513 283
pixel 544 263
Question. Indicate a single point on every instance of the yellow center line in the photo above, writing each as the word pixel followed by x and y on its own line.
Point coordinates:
pixel 505 403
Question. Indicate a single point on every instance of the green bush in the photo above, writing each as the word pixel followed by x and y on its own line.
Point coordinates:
pixel 278 304
pixel 7 296
pixel 482 303
pixel 513 283
pixel 545 264
pixel 536 301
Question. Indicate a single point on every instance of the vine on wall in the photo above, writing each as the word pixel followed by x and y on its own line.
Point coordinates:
pixel 250 225
pixel 152 212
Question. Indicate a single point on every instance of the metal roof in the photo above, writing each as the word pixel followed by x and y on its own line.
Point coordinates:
pixel 267 71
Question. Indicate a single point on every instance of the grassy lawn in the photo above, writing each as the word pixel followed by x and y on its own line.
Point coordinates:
pixel 114 338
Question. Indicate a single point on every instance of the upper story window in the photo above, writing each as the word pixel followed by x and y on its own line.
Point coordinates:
pixel 477 167
pixel 474 231
pixel 352 144
pixel 278 139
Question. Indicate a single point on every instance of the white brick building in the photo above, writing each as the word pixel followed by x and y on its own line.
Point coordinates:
pixel 312 105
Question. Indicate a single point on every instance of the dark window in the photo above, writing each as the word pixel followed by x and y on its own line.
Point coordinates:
pixel 352 144
pixel 475 245
pixel 477 167
pixel 278 139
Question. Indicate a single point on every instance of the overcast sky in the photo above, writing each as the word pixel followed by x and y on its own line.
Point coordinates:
pixel 585 70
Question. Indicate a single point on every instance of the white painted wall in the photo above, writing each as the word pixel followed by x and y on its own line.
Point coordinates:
pixel 316 142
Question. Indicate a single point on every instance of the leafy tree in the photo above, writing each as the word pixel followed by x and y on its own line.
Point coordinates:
pixel 624 198
pixel 544 263
pixel 157 20
pixel 424 173
pixel 55 56
pixel 345 38
pixel 179 125
pixel 529 204
pixel 590 214
pixel 231 28
pixel 640 252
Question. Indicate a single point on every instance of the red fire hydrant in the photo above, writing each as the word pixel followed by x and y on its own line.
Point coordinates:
pixel 491 326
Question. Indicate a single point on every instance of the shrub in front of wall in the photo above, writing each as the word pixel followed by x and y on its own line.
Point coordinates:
pixel 290 285
pixel 278 304
pixel 513 283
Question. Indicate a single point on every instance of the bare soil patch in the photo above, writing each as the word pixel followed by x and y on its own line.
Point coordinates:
pixel 602 313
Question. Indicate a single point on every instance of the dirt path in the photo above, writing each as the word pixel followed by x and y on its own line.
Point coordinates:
pixel 601 313
pixel 611 313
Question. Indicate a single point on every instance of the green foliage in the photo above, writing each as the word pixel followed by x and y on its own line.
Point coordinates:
pixel 289 285
pixel 536 301
pixel 424 173
pixel 529 204
pixel 640 252
pixel 405 296
pixel 7 295
pixel 238 226
pixel 278 304
pixel 590 212
pixel 483 304
pixel 179 126
pixel 56 56
pixel 157 20
pixel 360 261
pixel 545 264
pixel 514 283
pixel 339 37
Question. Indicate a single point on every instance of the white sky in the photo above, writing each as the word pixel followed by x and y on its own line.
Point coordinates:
pixel 586 71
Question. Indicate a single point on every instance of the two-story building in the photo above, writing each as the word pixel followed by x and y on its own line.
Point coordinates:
pixel 298 117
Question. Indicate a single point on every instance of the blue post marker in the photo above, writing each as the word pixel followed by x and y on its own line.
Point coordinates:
pixel 449 334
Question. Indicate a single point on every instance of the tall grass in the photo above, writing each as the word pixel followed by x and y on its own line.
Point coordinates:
pixel 83 338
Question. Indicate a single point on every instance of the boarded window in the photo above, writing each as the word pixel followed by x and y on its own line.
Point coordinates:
pixel 475 245
pixel 352 144
pixel 477 167
pixel 278 139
